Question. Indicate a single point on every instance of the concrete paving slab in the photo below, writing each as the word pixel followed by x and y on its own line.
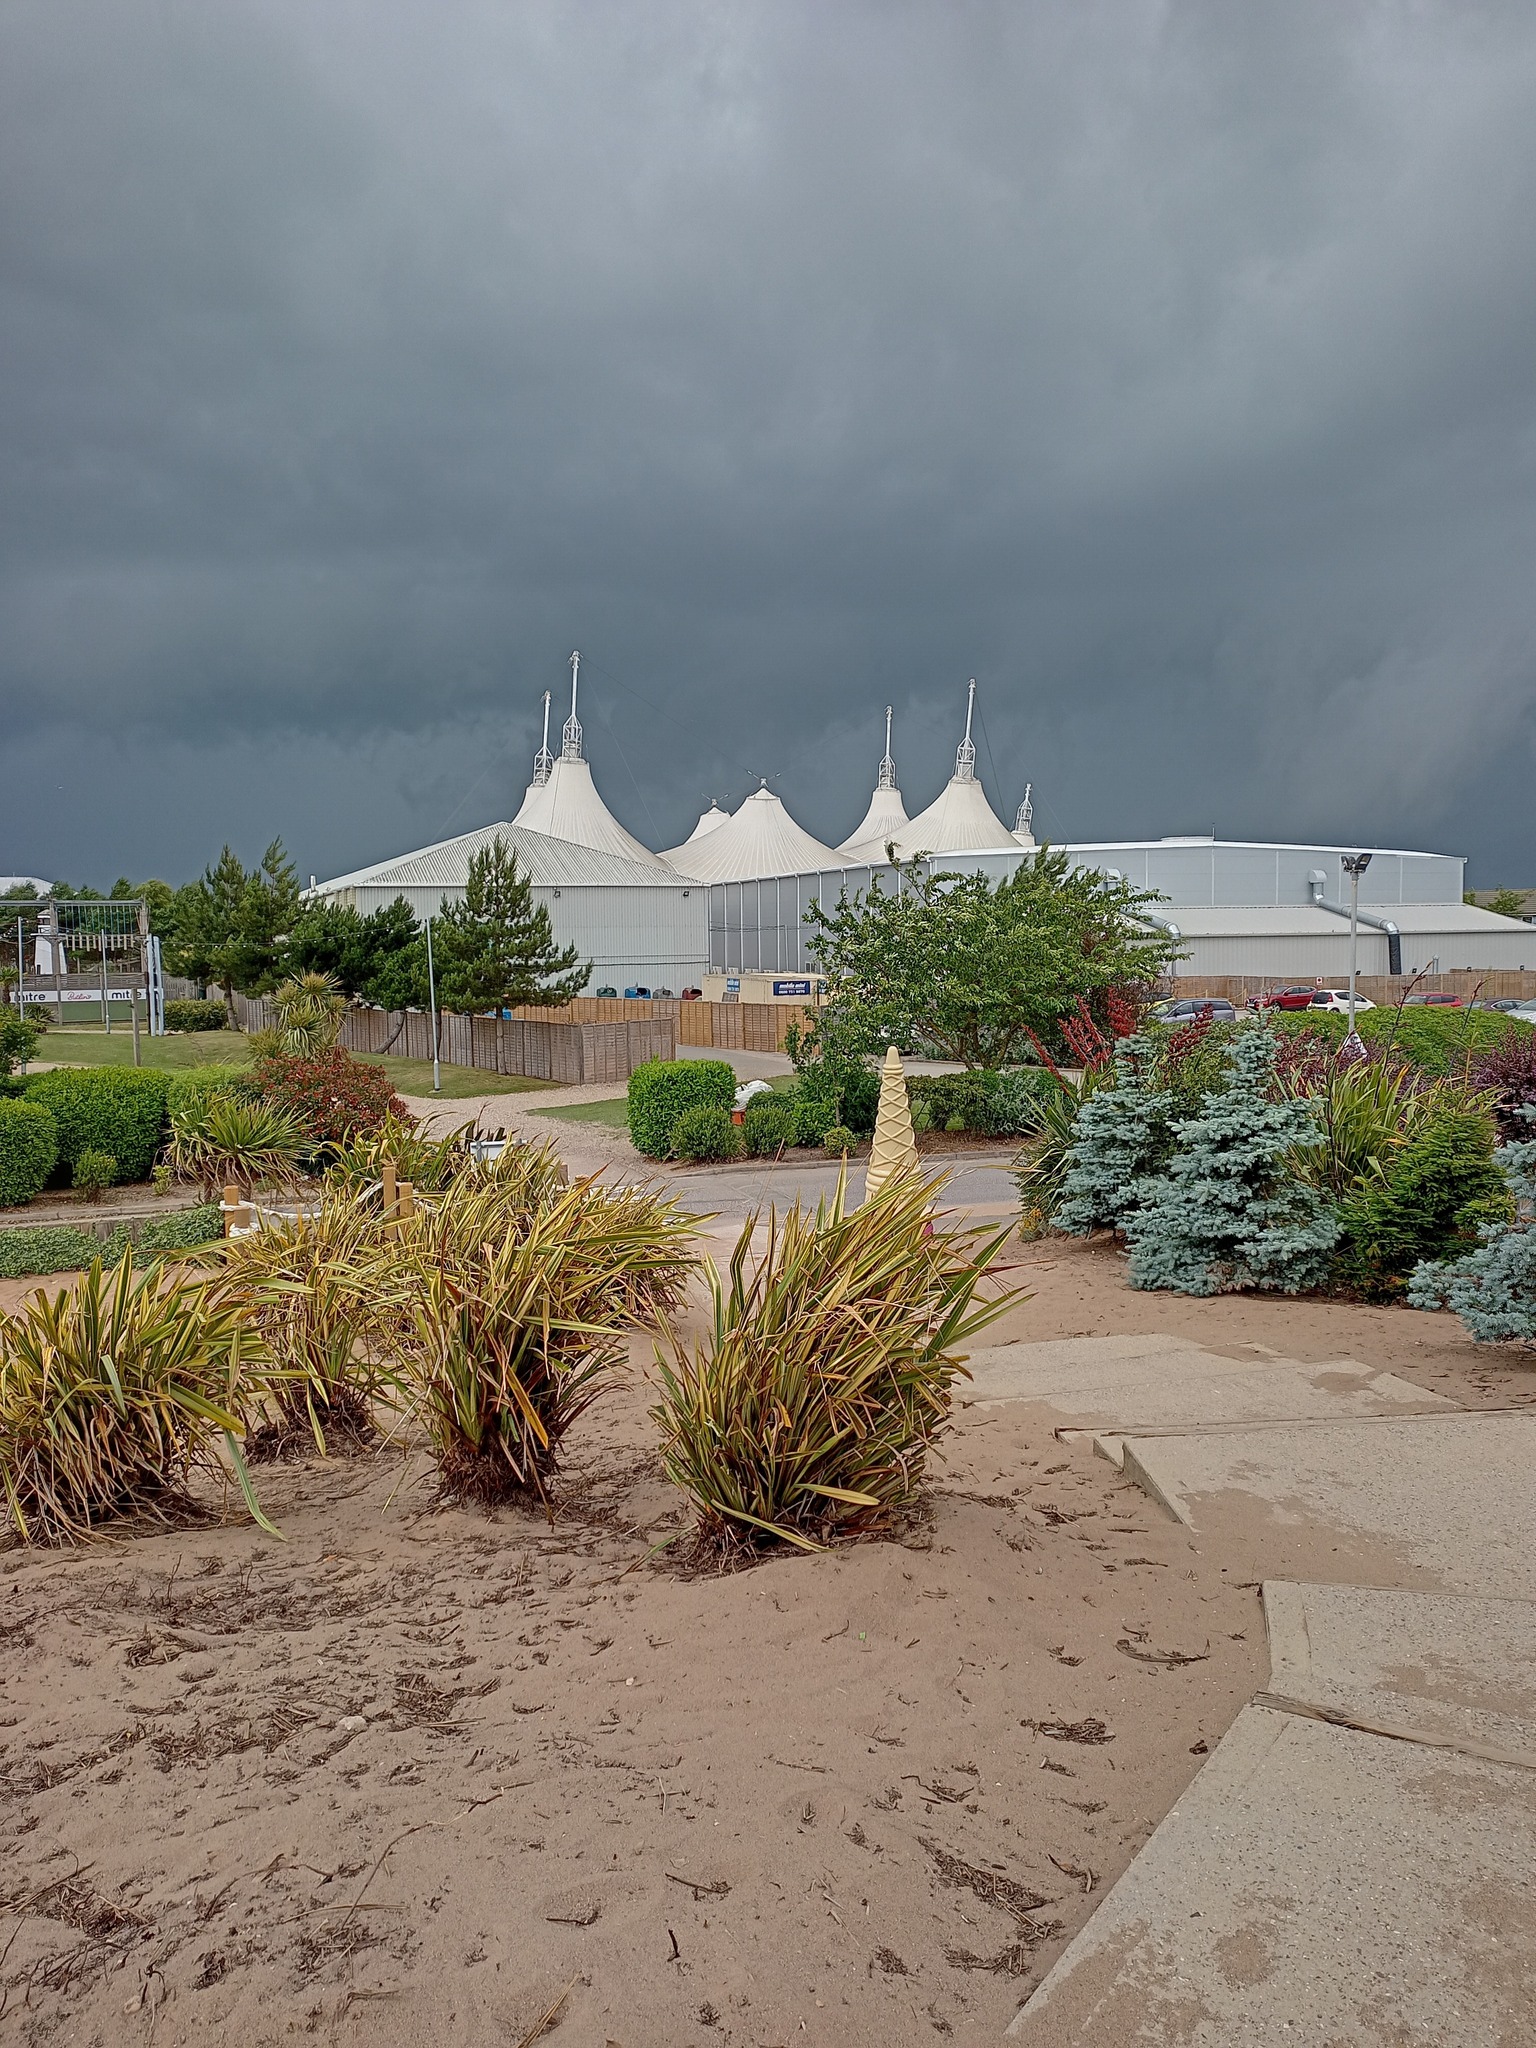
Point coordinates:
pixel 1127 1384
pixel 1316 1887
pixel 1434 1503
pixel 1434 1666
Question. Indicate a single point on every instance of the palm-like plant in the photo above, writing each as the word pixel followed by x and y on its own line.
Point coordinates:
pixel 1040 1167
pixel 221 1139
pixel 113 1392
pixel 310 1009
pixel 827 1373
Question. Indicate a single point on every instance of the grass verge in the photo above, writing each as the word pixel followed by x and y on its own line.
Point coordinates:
pixel 70 1046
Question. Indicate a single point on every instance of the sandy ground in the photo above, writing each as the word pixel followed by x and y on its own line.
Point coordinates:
pixel 414 1775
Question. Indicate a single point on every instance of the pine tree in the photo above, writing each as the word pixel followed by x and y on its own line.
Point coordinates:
pixel 1228 1213
pixel 496 949
pixel 1493 1289
pixel 1120 1134
pixel 231 928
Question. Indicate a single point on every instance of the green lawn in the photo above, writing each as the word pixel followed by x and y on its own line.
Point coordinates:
pixel 615 1113
pixel 73 1047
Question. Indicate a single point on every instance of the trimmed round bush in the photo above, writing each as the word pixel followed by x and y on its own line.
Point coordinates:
pixel 839 1140
pixel 120 1110
pixel 769 1125
pixel 29 1145
pixel 198 1086
pixel 660 1092
pixel 195 1013
pixel 705 1132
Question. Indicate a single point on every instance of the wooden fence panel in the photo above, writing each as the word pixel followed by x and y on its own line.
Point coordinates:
pixel 1378 988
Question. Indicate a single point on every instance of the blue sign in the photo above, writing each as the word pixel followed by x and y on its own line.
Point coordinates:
pixel 791 988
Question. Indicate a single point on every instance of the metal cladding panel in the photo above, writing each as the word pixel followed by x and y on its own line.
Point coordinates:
pixel 1246 874
pixel 1284 956
pixel 759 927
pixel 1184 874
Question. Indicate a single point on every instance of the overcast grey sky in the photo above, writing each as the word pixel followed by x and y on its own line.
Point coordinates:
pixel 1169 367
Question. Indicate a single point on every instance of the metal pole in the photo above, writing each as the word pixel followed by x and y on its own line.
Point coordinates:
pixel 57 943
pixel 1354 929
pixel 137 1060
pixel 437 1071
pixel 106 1008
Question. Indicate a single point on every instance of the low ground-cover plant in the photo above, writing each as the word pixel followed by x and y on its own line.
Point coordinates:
pixel 65 1247
pixel 808 1409
pixel 195 1013
pixel 661 1091
pixel 1493 1289
pixel 120 1110
pixel 29 1146
pixel 706 1132
pixel 1228 1213
pixel 226 1140
pixel 113 1393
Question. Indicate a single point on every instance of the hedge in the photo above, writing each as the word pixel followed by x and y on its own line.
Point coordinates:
pixel 29 1146
pixel 661 1090
pixel 196 1086
pixel 706 1132
pixel 195 1013
pixel 1433 1038
pixel 993 1103
pixel 64 1248
pixel 769 1124
pixel 120 1110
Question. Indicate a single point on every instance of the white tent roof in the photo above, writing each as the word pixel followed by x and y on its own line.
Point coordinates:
pixel 708 820
pixel 759 839
pixel 568 806
pixel 885 820
pixel 959 820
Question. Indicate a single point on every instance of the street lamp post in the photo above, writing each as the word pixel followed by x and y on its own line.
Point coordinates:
pixel 1355 866
pixel 437 1072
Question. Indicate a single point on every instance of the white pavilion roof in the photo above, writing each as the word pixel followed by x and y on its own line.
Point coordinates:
pixel 885 819
pixel 568 806
pixel 959 820
pixel 760 839
pixel 708 820
pixel 547 862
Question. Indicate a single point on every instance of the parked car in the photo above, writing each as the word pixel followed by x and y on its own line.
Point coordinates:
pixel 1296 997
pixel 1337 1000
pixel 692 995
pixel 1186 1007
pixel 1434 999
pixel 1500 1003
pixel 631 994
pixel 605 991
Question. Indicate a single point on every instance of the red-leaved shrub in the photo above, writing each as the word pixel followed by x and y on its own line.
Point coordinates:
pixel 337 1096
pixel 1509 1069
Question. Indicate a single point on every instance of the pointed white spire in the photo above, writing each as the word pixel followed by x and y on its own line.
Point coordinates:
pixel 1024 823
pixel 965 753
pixel 543 760
pixel 570 733
pixel 887 776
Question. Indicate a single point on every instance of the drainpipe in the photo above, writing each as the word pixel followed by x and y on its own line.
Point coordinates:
pixel 1165 924
pixel 1317 882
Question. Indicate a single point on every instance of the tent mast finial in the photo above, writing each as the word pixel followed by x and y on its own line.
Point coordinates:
pixel 1024 823
pixel 543 760
pixel 965 753
pixel 887 776
pixel 570 736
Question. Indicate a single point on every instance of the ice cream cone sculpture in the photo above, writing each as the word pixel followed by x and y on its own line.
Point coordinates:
pixel 894 1150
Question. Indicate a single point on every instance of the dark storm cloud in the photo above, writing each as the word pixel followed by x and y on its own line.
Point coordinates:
pixel 1168 367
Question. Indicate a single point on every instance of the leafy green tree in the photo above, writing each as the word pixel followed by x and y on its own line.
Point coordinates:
pixel 496 949
pixel 1507 903
pixel 380 958
pixel 231 928
pixel 966 969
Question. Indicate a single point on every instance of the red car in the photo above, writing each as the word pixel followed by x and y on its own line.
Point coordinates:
pixel 1297 997
pixel 1435 999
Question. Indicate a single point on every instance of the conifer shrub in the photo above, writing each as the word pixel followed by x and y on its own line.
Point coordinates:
pixel 1427 1200
pixel 121 1110
pixel 769 1125
pixel 1121 1133
pixel 706 1132
pixel 1493 1288
pixel 29 1146
pixel 661 1090
pixel 1228 1213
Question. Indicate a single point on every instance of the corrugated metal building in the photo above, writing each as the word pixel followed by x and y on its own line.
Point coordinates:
pixel 640 925
pixel 1240 909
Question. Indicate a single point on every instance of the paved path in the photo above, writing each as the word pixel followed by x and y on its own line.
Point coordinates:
pixel 1354 1865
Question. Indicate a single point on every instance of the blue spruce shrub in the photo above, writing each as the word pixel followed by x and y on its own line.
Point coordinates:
pixel 1492 1289
pixel 1121 1134
pixel 1228 1214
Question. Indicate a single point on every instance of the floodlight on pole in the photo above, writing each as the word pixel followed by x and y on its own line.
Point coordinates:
pixel 1355 866
pixel 437 1071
